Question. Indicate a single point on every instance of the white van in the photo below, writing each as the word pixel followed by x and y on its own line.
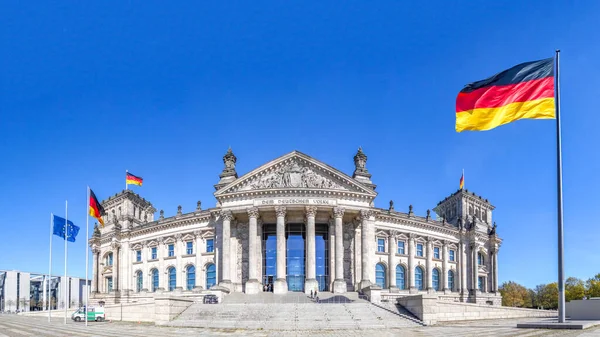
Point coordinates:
pixel 94 314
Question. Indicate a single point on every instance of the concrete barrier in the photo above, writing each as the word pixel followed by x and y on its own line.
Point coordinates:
pixel 583 309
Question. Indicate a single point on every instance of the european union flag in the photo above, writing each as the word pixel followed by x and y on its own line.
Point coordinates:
pixel 59 228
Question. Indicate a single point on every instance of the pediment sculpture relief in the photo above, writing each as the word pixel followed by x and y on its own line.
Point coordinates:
pixel 292 175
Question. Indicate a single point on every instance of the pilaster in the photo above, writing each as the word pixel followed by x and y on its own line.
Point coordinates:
pixel 392 248
pixel 252 285
pixel 339 285
pixel 310 282
pixel 226 217
pixel 280 286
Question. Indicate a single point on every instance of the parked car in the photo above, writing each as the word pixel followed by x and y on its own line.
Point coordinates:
pixel 93 314
pixel 211 299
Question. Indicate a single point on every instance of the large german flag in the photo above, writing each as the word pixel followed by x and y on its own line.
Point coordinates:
pixel 523 91
pixel 131 179
pixel 96 210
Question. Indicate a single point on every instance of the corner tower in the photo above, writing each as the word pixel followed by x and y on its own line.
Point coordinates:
pixel 464 207
pixel 126 210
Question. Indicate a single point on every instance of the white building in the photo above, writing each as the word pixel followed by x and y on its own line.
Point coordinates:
pixel 24 291
pixel 297 224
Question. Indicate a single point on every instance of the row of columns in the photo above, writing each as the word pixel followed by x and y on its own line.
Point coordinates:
pixel 336 247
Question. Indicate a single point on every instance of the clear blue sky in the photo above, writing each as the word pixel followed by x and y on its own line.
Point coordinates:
pixel 89 89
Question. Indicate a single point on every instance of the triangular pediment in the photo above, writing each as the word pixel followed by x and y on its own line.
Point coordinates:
pixel 297 171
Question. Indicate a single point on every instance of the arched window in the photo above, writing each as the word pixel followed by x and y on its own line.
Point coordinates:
pixel 380 275
pixel 480 259
pixel 400 277
pixel 211 275
pixel 139 276
pixel 172 278
pixel 419 278
pixel 191 277
pixel 109 259
pixel 154 279
pixel 451 280
pixel 435 279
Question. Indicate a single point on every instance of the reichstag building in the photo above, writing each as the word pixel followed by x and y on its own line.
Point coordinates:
pixel 296 224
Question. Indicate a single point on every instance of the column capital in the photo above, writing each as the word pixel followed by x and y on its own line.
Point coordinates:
pixel 366 214
pixel 144 243
pixel 198 234
pixel 227 215
pixel 253 212
pixel 280 211
pixel 95 250
pixel 178 236
pixel 338 212
pixel 311 211
pixel 412 236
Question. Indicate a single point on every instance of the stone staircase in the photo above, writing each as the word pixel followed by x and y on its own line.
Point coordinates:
pixel 291 312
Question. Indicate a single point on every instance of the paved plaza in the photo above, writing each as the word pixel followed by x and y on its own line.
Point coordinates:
pixel 16 326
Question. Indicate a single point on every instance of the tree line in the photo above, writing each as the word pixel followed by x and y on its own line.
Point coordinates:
pixel 545 296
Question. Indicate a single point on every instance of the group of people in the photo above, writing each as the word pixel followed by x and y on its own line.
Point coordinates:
pixel 314 295
pixel 268 287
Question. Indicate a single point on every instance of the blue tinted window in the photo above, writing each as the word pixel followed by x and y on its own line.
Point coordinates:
pixel 450 279
pixel 419 249
pixel 380 245
pixel 109 285
pixel 191 277
pixel 481 284
pixel 211 275
pixel 138 255
pixel 380 275
pixel 140 281
pixel 480 260
pixel 172 278
pixel 154 279
pixel 400 277
pixel 154 255
pixel 189 249
pixel 451 253
pixel 435 279
pixel 419 278
pixel 436 252
pixel 400 247
pixel 210 247
pixel 171 250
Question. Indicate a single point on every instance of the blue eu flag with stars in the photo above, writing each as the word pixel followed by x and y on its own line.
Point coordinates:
pixel 58 228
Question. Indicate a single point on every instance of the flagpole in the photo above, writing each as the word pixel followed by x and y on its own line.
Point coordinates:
pixel 87 262
pixel 561 275
pixel 65 280
pixel 50 269
pixel 126 179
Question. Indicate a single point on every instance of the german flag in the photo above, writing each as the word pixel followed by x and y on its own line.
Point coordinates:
pixel 130 179
pixel 523 91
pixel 96 210
pixel 462 181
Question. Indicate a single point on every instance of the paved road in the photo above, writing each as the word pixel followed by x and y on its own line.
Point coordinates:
pixel 17 326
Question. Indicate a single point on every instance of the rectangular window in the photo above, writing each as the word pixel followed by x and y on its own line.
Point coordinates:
pixel 171 250
pixel 154 254
pixel 400 247
pixel 419 249
pixel 451 255
pixel 189 248
pixel 436 253
pixel 138 255
pixel 109 284
pixel 481 284
pixel 381 245
pixel 210 245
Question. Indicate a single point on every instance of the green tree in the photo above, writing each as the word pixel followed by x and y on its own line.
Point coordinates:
pixel 593 286
pixel 547 295
pixel 514 295
pixel 574 289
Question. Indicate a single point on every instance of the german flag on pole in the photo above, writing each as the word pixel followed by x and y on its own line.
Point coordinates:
pixel 130 179
pixel 461 185
pixel 96 210
pixel 523 91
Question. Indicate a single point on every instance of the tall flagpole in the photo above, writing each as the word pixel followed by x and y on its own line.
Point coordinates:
pixel 50 270
pixel 126 179
pixel 87 262
pixel 65 280
pixel 561 273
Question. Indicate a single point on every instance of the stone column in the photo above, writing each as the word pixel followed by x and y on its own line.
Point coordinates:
pixel 357 255
pixel 392 248
pixel 198 264
pixel 411 263
pixel 311 260
pixel 162 279
pixel 180 273
pixel 495 269
pixel 463 269
pixel 95 252
pixel 252 285
pixel 126 268
pixel 145 277
pixel 280 286
pixel 331 234
pixel 445 268
pixel 226 244
pixel 366 238
pixel 474 267
pixel 259 253
pixel 339 285
pixel 116 273
pixel 429 271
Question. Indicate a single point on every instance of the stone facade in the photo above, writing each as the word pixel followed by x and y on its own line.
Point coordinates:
pixel 225 247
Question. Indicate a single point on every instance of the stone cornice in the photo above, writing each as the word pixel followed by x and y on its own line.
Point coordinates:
pixel 295 192
pixel 417 222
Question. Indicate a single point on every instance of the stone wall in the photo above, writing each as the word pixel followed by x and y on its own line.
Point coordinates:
pixel 135 312
pixel 583 309
pixel 431 310
pixel 167 308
